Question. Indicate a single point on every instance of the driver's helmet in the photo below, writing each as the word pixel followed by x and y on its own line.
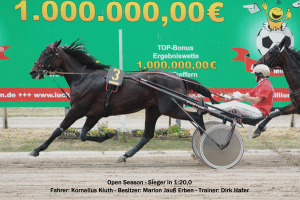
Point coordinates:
pixel 263 69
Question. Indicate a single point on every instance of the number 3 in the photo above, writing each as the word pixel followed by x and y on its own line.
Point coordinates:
pixel 117 75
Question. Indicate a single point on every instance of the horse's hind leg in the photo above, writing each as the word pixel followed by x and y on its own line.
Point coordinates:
pixel 71 117
pixel 152 114
pixel 195 116
pixel 88 125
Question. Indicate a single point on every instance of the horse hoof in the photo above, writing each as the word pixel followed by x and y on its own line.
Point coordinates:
pixel 34 153
pixel 83 137
pixel 121 159
pixel 256 133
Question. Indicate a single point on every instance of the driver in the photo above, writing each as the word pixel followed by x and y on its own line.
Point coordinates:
pixel 261 97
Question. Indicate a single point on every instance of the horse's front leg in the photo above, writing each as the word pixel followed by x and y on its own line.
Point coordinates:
pixel 71 117
pixel 152 114
pixel 289 109
pixel 88 125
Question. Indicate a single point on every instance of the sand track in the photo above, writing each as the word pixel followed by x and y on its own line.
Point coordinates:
pixel 265 174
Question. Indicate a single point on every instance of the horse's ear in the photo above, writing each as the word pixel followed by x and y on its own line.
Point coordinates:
pixel 59 42
pixel 282 43
pixel 56 44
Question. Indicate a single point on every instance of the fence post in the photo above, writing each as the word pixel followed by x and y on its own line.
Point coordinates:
pixel 122 117
pixel 123 123
pixel 250 133
pixel 5 118
pixel 293 121
pixel 178 122
pixel 67 110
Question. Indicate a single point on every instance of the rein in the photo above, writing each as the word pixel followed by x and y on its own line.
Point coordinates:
pixel 63 73
pixel 181 80
pixel 61 88
pixel 45 69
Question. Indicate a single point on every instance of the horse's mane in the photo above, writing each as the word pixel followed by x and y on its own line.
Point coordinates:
pixel 295 53
pixel 78 52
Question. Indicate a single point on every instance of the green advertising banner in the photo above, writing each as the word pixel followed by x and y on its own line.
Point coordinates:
pixel 213 42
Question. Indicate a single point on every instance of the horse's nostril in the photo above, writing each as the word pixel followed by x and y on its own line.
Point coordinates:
pixel 32 72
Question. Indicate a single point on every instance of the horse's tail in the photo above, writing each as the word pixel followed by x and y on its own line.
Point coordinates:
pixel 191 84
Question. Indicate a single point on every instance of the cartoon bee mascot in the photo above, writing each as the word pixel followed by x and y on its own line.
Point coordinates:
pixel 275 14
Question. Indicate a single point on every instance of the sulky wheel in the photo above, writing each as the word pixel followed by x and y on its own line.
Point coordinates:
pixel 219 158
pixel 197 136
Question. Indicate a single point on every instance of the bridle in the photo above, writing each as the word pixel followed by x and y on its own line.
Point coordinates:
pixel 274 58
pixel 278 51
pixel 44 67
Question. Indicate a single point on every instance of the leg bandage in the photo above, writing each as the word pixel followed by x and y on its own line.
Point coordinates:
pixel 137 147
pixel 275 113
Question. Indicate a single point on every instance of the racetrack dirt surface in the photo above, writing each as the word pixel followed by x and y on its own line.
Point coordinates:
pixel 264 174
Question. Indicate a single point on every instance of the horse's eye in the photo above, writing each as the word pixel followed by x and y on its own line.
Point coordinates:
pixel 48 54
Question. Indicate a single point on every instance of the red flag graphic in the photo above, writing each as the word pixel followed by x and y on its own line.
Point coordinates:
pixel 2 56
pixel 249 63
pixel 241 54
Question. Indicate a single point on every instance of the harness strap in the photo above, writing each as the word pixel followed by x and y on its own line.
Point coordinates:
pixel 297 93
pixel 111 89
pixel 61 88
pixel 137 72
pixel 111 86
pixel 293 96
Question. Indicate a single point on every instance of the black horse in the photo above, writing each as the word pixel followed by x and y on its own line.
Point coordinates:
pixel 87 83
pixel 289 61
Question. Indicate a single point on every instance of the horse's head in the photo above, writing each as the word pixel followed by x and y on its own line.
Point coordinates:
pixel 273 57
pixel 48 61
